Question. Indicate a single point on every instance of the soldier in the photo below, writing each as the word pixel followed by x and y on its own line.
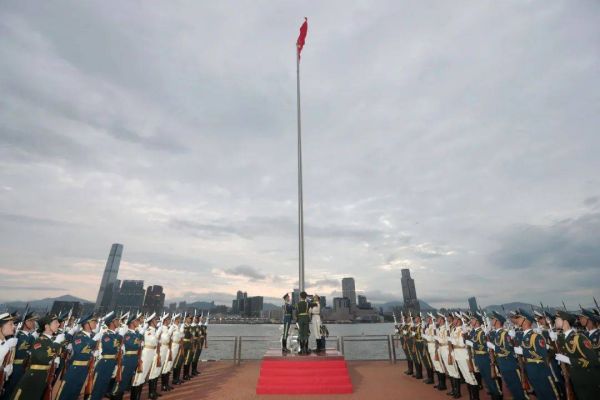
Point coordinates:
pixel 578 352
pixel 404 340
pixel 83 346
pixel 484 361
pixel 432 347
pixel 177 348
pixel 544 322
pixel 132 341
pixel 187 347
pixel 421 351
pixel 203 336
pixel 532 346
pixel 287 321
pixel 589 320
pixel 109 347
pixel 165 353
pixel 462 357
pixel 196 349
pixel 148 358
pixel 38 377
pixel 25 340
pixel 446 353
pixel 501 343
pixel 315 321
pixel 303 323
pixel 8 344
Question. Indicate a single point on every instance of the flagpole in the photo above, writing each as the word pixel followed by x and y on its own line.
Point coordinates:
pixel 300 199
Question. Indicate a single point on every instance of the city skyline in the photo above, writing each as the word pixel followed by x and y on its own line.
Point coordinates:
pixel 431 141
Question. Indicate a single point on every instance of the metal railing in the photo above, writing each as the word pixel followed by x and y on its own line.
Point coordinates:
pixel 354 347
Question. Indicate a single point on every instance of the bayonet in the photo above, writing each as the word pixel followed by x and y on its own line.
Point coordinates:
pixel 564 306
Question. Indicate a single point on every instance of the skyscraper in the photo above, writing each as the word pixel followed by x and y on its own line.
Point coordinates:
pixel 349 290
pixel 155 299
pixel 109 285
pixel 473 304
pixel 131 296
pixel 409 293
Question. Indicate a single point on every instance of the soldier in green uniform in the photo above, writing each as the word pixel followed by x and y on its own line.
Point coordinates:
pixel 195 345
pixel 187 347
pixel 414 366
pixel 421 348
pixel 404 335
pixel 43 357
pixel 303 321
pixel 577 351
pixel 589 320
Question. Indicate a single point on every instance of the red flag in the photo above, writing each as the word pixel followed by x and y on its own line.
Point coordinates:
pixel 302 37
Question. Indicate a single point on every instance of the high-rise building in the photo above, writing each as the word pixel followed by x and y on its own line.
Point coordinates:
pixel 323 301
pixel 109 286
pixel 238 306
pixel 131 296
pixel 349 290
pixel 254 306
pixel 363 303
pixel 295 296
pixel 341 303
pixel 409 293
pixel 59 307
pixel 473 304
pixel 155 299
pixel 172 308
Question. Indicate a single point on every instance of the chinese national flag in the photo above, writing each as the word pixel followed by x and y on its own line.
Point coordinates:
pixel 302 37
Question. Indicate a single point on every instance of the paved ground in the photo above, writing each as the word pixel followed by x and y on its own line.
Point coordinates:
pixel 372 380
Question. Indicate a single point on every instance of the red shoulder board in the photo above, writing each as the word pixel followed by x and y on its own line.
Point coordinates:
pixel 587 343
pixel 126 337
pixel 77 341
pixel 542 342
pixel 37 346
pixel 106 339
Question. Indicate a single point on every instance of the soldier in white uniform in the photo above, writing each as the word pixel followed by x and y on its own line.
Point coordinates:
pixel 315 320
pixel 461 354
pixel 429 335
pixel 149 356
pixel 446 354
pixel 165 353
pixel 176 349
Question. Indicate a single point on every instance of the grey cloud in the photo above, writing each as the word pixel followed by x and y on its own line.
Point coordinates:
pixel 325 282
pixel 33 221
pixel 32 288
pixel 569 244
pixel 246 271
pixel 591 201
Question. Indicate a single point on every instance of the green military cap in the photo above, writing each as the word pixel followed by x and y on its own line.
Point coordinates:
pixel 566 316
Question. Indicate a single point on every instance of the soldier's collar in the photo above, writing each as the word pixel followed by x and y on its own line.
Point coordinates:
pixel 567 333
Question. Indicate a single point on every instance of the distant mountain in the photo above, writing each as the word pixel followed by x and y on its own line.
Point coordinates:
pixel 270 307
pixel 201 305
pixel 391 304
pixel 41 304
pixel 513 306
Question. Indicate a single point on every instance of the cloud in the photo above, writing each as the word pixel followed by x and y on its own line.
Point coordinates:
pixel 568 244
pixel 246 271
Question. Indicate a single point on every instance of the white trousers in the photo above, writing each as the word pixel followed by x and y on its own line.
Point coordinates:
pixel 451 368
pixel 462 359
pixel 148 359
pixel 436 364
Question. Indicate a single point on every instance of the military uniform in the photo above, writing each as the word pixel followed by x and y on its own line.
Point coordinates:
pixel 303 324
pixel 33 383
pixel 429 335
pixel 148 360
pixel 288 310
pixel 462 358
pixel 187 350
pixel 196 349
pixel 83 347
pixel 177 351
pixel 25 340
pixel 483 361
pixel 132 341
pixel 109 346
pixel 404 341
pixel 165 356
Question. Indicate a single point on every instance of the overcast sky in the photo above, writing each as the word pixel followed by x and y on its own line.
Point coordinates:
pixel 458 139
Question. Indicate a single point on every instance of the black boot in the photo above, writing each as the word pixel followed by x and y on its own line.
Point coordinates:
pixel 176 375
pixel 442 381
pixel 475 391
pixel 186 372
pixel 452 391
pixel 418 371
pixel 284 345
pixel 457 395
pixel 409 371
pixel 478 378
pixel 167 377
pixel 132 393
pixel 163 384
pixel 429 379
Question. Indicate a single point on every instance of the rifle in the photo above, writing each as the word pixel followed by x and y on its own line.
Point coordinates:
pixel 492 354
pixel 89 384
pixel 119 373
pixel 450 346
pixel 597 307
pixel 49 379
pixel 7 360
pixel 563 367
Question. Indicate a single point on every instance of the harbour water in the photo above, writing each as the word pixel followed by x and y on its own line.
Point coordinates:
pixel 361 341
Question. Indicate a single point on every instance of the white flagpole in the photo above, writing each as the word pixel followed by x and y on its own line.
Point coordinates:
pixel 300 206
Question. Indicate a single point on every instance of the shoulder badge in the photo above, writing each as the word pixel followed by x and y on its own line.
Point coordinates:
pixel 77 341
pixel 587 343
pixel 37 346
pixel 106 338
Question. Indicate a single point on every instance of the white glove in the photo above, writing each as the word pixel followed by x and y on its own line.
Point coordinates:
pixel 512 333
pixel 553 336
pixel 4 349
pixel 464 329
pixel 74 330
pixel 123 330
pixel 98 336
pixel 412 334
pixel 57 361
pixel 469 343
pixel 12 343
pixel 562 358
pixel 194 324
pixel 8 370
pixel 59 338
pixel 519 350
pixel 35 335
pixel 491 346
pixel 96 353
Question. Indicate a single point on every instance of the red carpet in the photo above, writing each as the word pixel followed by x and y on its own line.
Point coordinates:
pixel 313 374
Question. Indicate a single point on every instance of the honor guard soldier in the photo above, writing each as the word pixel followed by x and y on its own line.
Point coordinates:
pixel 288 310
pixel 109 347
pixel 203 337
pixel 589 320
pixel 303 322
pixel 447 356
pixel 196 349
pixel 25 340
pixel 83 346
pixel 483 359
pixel 462 358
pixel 132 341
pixel 40 373
pixel 404 341
pixel 544 323
pixel 165 352
pixel 187 347
pixel 148 357
pixel 410 345
pixel 8 343
pixel 432 347
pixel 421 351
pixel 532 346
pixel 577 351
pixel 177 348
pixel 63 318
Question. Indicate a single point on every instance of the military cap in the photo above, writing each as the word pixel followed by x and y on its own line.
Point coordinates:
pixel 178 315
pixel 153 316
pixel 591 315
pixel 30 316
pixel 549 316
pixel 501 318
pixel 62 316
pixel 286 296
pixel 538 314
pixel 5 317
pixel 46 319
pixel 132 318
pixel 87 318
pixel 476 316
pixel 525 314
pixel 566 316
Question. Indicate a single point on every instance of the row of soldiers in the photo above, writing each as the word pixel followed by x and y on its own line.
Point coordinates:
pixel 60 357
pixel 550 356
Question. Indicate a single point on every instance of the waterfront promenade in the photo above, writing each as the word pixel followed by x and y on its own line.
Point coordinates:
pixel 372 380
